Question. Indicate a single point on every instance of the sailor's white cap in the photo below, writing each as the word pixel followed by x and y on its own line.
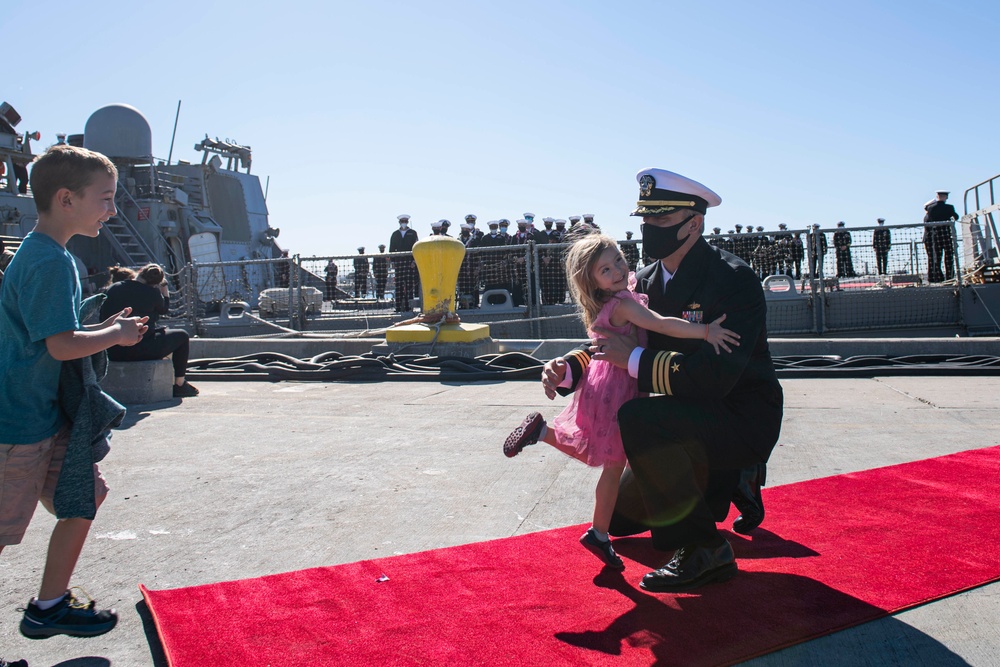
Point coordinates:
pixel 504 221
pixel 662 191
pixel 529 216
pixel 403 218
pixel 466 225
pixel 574 218
pixel 588 216
pixel 436 225
pixel 493 222
pixel 560 222
pixel 548 220
pixel 522 221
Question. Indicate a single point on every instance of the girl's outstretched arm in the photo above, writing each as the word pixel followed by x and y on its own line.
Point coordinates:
pixel 675 327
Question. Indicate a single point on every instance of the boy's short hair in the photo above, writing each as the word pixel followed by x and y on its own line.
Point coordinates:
pixel 65 166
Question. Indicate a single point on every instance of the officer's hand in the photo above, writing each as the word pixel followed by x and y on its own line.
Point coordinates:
pixel 553 374
pixel 613 347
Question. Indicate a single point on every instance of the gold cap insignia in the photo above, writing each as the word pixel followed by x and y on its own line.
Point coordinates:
pixel 646 185
pixel 694 306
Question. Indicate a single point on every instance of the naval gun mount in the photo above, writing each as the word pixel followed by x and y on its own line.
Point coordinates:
pixel 232 152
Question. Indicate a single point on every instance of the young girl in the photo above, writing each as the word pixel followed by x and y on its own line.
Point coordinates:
pixel 604 290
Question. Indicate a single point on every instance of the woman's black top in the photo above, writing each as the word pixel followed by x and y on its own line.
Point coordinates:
pixel 145 300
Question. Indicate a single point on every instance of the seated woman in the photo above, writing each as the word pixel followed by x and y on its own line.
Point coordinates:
pixel 147 296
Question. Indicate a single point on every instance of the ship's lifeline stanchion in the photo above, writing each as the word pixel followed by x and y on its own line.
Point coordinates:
pixel 438 259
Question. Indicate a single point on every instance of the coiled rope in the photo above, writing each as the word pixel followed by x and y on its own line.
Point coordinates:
pixel 337 367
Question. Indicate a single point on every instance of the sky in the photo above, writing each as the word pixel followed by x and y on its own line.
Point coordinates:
pixel 357 112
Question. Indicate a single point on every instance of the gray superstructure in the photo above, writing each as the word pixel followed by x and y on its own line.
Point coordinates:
pixel 173 214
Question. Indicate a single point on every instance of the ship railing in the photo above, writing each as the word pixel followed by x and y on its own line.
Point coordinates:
pixel 521 291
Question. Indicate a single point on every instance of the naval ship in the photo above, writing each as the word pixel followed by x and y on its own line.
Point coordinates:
pixel 172 213
pixel 207 225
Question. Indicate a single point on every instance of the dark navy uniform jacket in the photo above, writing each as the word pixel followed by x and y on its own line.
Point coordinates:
pixel 709 283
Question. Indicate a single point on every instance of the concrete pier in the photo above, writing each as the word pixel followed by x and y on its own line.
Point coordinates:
pixel 255 478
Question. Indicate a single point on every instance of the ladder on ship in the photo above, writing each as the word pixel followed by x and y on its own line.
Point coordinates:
pixel 981 227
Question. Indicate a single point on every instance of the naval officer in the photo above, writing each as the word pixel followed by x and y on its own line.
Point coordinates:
pixel 939 239
pixel 704 441
pixel 402 240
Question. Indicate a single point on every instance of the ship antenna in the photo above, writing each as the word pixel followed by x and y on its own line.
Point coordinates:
pixel 174 135
pixel 267 186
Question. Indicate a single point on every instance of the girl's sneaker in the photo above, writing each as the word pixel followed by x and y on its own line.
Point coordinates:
pixel 71 616
pixel 602 549
pixel 525 434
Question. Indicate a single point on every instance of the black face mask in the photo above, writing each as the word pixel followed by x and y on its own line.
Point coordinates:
pixel 660 242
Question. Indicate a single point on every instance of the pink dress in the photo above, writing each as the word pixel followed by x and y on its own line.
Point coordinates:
pixel 589 424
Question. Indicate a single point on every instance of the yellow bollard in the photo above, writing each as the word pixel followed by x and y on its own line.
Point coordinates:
pixel 438 259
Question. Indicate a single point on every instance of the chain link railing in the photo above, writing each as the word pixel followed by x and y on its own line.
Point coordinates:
pixel 816 281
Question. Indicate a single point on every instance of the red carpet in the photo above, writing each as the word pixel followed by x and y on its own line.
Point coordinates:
pixel 833 553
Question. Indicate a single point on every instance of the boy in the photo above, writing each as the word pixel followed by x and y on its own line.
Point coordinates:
pixel 74 191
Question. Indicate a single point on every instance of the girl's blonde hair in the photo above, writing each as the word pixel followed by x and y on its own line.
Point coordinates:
pixel 587 248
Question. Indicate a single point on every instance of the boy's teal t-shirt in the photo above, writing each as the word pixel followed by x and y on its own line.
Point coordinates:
pixel 40 297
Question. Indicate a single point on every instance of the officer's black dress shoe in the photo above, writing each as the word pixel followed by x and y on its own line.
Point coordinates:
pixel 692 567
pixel 748 500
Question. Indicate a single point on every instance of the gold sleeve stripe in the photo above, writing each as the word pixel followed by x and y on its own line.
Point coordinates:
pixel 661 373
pixel 655 202
pixel 581 357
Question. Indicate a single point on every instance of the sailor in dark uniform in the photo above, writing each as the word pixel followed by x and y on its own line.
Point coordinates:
pixel 380 269
pixel 795 254
pixel 939 239
pixel 477 234
pixel 468 272
pixel 881 243
pixel 782 251
pixel 704 441
pixel 331 281
pixel 360 274
pixel 817 251
pixel 630 251
pixel 402 240
pixel 560 231
pixel 842 247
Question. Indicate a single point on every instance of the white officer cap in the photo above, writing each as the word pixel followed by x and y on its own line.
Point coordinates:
pixel 841 223
pixel 881 220
pixel 361 248
pixel 662 191
pixel 403 218
pixel 471 216
pixel 942 192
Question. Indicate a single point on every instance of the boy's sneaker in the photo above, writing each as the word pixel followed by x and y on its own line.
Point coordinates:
pixel 186 390
pixel 71 616
pixel 602 549
pixel 525 434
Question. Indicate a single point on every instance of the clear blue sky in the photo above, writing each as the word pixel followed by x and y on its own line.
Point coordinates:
pixel 361 111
